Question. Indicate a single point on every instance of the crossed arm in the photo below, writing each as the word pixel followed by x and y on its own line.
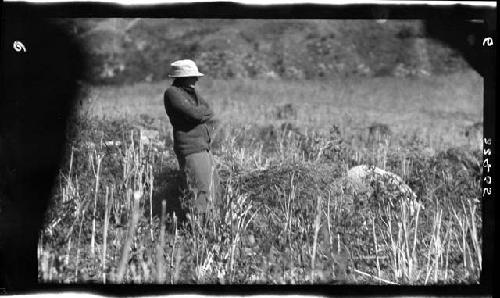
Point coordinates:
pixel 178 102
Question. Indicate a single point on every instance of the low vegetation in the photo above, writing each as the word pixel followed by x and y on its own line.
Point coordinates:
pixel 289 214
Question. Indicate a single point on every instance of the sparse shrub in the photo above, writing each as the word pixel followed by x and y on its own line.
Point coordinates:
pixel 286 112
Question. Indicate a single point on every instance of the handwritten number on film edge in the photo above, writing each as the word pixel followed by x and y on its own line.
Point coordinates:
pixel 488 41
pixel 486 164
pixel 19 46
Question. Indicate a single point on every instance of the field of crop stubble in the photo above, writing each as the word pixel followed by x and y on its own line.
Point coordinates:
pixel 290 214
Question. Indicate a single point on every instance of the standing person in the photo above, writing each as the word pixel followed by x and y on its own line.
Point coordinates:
pixel 192 122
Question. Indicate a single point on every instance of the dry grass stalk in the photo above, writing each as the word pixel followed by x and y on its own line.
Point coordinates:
pixel 68 253
pixel 405 249
pixel 375 277
pixel 376 247
pixel 461 224
pixel 438 243
pixel 151 179
pixel 434 248
pixel 176 255
pixel 177 266
pixel 447 253
pixel 39 248
pixel 71 161
pixel 98 159
pixel 160 266
pixel 114 205
pixel 78 246
pixel 329 235
pixel 144 277
pixel 470 227
pixel 289 208
pixel 317 225
pixel 243 217
pixel 415 236
pixel 128 240
pixel 45 265
pixel 408 250
pixel 128 205
pixel 375 257
pixel 105 234
pixel 471 223
pixel 429 251
pixel 396 265
pixel 50 264
pixel 194 221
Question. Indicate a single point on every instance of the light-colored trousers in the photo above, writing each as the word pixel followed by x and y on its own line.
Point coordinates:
pixel 202 179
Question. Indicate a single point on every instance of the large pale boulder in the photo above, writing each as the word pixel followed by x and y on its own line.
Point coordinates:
pixel 363 178
pixel 363 175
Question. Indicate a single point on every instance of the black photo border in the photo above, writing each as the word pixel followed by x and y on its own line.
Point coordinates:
pixel 297 11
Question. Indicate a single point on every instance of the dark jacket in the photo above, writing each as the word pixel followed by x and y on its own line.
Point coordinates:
pixel 188 113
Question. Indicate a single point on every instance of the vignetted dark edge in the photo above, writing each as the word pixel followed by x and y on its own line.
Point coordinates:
pixel 490 123
pixel 231 10
pixel 264 289
pixel 39 87
pixel 236 10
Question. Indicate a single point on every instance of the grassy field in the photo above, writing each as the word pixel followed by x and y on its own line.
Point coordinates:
pixel 290 214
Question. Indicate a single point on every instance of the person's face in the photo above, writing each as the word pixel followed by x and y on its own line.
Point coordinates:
pixel 190 81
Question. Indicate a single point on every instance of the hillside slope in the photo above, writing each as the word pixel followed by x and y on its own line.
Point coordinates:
pixel 131 50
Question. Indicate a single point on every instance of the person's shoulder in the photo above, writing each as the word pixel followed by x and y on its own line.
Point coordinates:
pixel 172 91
